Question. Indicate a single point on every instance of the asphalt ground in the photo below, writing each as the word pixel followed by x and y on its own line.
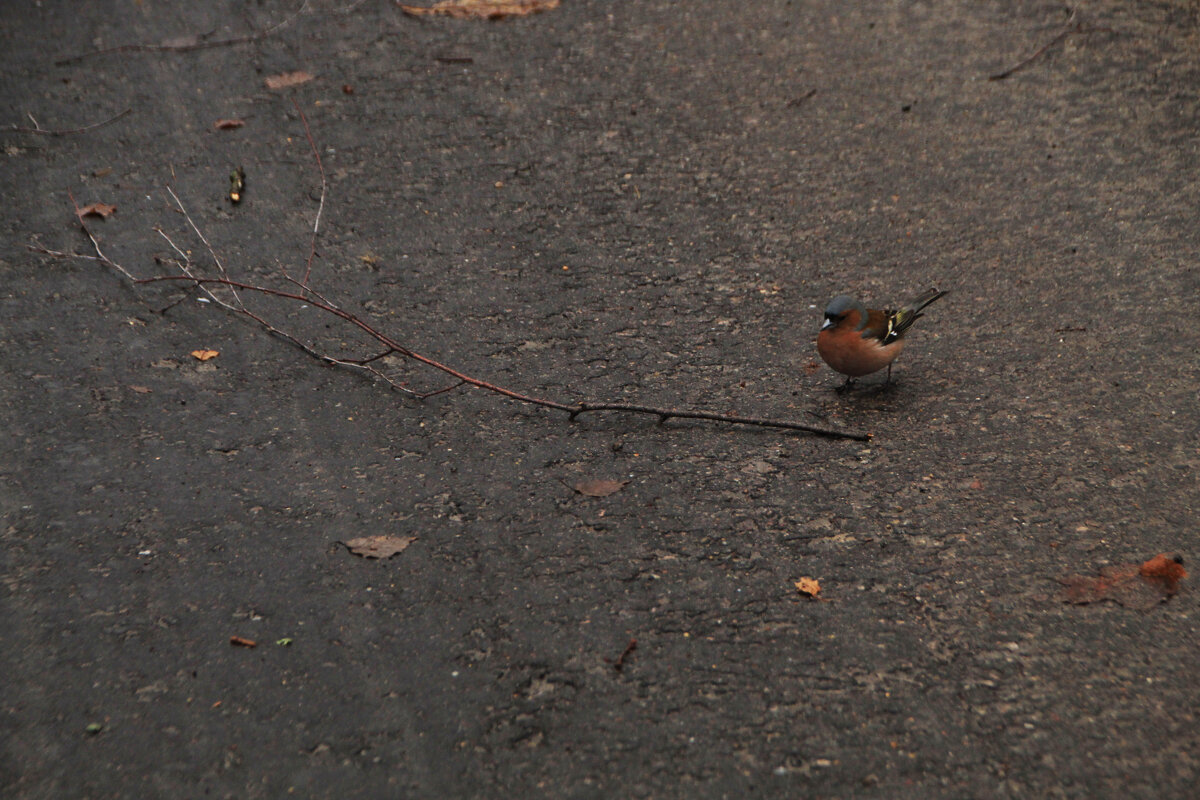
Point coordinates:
pixel 642 202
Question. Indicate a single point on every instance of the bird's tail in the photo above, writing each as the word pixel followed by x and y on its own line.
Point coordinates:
pixel 902 320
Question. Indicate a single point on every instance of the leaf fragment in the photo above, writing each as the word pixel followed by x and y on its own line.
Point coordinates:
pixel 226 124
pixel 1138 586
pixel 287 79
pixel 205 355
pixel 599 487
pixel 241 641
pixel 379 546
pixel 102 210
pixel 481 9
pixel 809 587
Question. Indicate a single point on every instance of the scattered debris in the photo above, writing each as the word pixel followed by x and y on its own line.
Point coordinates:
pixel 287 79
pixel 140 389
pixel 94 727
pixel 205 355
pixel 379 546
pixel 481 9
pixel 284 642
pixel 599 488
pixel 239 641
pixel 226 124
pixel 1138 586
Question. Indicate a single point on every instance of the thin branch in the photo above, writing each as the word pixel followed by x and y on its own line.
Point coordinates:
pixel 95 244
pixel 1069 30
pixel 216 259
pixel 307 296
pixel 38 129
pixel 665 414
pixel 573 410
pixel 312 247
pixel 194 42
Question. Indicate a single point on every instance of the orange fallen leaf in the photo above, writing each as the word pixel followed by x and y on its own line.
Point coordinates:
pixel 599 488
pixel 287 79
pixel 481 9
pixel 239 641
pixel 809 587
pixel 225 124
pixel 975 484
pixel 205 355
pixel 1139 586
pixel 811 367
pixel 102 210
pixel 379 546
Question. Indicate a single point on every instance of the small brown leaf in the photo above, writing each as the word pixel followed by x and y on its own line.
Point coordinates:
pixel 1138 586
pixel 239 641
pixel 141 389
pixel 809 587
pixel 481 9
pixel 102 210
pixel 379 546
pixel 599 488
pixel 975 484
pixel 226 124
pixel 287 79
pixel 205 355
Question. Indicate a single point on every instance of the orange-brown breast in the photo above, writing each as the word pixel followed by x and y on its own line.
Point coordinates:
pixel 845 349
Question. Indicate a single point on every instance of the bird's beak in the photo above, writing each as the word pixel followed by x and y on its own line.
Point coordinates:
pixel 828 323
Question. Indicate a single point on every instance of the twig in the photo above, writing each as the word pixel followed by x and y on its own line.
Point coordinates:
pixel 38 129
pixel 464 379
pixel 306 295
pixel 188 43
pixel 95 244
pixel 619 664
pixel 665 414
pixel 312 247
pixel 1069 30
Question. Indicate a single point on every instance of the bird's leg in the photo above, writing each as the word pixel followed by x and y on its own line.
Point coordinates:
pixel 847 386
pixel 889 377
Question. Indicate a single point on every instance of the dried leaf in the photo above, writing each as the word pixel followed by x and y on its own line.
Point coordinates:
pixel 599 488
pixel 809 587
pixel 379 546
pixel 1138 586
pixel 238 641
pixel 102 210
pixel 481 9
pixel 226 124
pixel 287 79
pixel 141 389
pixel 205 355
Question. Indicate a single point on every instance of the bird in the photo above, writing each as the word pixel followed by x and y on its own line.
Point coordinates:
pixel 856 340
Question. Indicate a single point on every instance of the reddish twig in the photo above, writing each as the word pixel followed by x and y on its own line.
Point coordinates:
pixel 619 664
pixel 1069 30
pixel 38 129
pixel 306 295
pixel 195 42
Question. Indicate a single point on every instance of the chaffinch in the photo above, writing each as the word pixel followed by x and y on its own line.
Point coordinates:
pixel 856 340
